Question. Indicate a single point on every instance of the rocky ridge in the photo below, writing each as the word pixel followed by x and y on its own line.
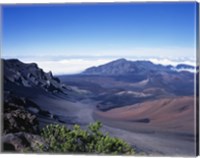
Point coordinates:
pixel 30 75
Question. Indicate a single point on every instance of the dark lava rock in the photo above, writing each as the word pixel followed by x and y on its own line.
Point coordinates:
pixel 17 117
pixel 20 120
pixel 21 141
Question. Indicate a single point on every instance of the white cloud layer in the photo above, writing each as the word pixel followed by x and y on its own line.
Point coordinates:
pixel 171 62
pixel 70 66
pixel 73 66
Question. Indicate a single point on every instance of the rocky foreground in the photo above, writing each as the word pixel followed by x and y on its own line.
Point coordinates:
pixel 21 126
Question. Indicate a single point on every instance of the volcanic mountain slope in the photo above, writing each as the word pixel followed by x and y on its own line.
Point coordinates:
pixel 122 82
pixel 127 67
pixel 166 115
pixel 163 126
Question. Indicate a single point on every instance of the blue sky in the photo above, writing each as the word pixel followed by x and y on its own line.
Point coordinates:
pixel 98 30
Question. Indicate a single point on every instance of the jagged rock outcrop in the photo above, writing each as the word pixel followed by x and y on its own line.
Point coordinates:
pixel 30 75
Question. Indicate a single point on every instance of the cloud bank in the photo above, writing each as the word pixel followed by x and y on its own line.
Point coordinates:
pixel 77 65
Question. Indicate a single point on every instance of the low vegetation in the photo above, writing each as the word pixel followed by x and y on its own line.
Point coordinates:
pixel 60 139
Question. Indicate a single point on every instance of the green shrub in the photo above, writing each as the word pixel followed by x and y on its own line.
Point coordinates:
pixel 61 139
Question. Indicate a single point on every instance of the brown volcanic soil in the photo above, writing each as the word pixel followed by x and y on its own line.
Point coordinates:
pixel 164 115
pixel 159 127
